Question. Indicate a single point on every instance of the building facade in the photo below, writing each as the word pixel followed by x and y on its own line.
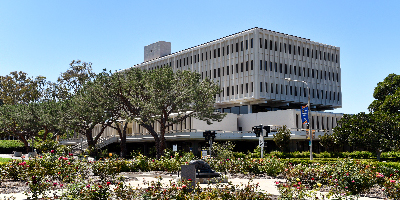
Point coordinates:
pixel 250 68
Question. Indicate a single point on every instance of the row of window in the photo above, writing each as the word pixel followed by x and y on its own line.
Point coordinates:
pixel 217 52
pixel 289 91
pixel 300 51
pixel 299 71
pixel 279 89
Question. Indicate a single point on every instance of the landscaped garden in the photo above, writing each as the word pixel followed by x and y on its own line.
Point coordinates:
pixel 75 177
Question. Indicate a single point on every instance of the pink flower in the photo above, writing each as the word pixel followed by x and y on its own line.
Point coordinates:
pixel 298 188
pixel 54 184
pixel 183 186
pixel 88 186
pixel 352 181
pixel 70 154
pixel 392 181
pixel 61 185
pixel 52 151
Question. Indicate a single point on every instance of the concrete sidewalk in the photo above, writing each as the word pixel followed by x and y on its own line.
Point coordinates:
pixel 266 185
pixel 25 156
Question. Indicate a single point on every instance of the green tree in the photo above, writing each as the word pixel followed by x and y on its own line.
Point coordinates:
pixel 17 88
pixel 25 111
pixel 151 97
pixel 387 96
pixel 327 140
pixel 25 121
pixel 378 130
pixel 282 138
pixel 100 91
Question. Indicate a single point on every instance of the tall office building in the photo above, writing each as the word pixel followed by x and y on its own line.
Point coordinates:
pixel 251 67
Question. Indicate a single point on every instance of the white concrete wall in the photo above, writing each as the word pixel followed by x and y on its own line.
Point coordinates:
pixel 229 123
pixel 281 117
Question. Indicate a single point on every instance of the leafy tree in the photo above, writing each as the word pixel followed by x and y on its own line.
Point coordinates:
pixel 25 121
pixel 25 111
pixel 378 130
pixel 387 96
pixel 82 111
pixel 13 122
pixel 282 138
pixel 114 115
pixel 71 81
pixel 17 88
pixel 327 140
pixel 151 97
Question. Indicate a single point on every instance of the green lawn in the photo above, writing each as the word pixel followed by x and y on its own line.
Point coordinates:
pixel 3 160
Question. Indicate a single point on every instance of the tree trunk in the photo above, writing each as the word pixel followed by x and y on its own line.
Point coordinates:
pixel 22 138
pixel 123 141
pixel 158 147
pixel 378 155
pixel 91 143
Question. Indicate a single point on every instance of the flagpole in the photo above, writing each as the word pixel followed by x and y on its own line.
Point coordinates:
pixel 309 121
pixel 309 114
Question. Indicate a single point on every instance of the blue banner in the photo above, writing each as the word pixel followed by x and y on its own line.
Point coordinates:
pixel 304 114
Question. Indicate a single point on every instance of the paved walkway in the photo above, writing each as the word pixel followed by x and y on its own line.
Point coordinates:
pixel 267 185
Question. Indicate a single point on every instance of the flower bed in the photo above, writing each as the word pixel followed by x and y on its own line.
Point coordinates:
pixel 340 177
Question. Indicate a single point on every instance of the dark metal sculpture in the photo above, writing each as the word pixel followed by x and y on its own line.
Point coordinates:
pixel 201 166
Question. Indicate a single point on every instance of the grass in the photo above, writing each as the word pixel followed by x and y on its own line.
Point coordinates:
pixel 4 160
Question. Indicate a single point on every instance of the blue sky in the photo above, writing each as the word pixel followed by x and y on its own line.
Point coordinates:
pixel 43 37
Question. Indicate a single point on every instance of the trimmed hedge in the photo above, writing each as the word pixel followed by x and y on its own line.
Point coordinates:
pixel 8 146
pixel 388 156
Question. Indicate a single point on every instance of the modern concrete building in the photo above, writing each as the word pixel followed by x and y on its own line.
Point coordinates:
pixel 251 67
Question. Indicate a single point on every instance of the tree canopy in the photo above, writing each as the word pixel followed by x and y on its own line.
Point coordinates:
pixel 378 130
pixel 151 97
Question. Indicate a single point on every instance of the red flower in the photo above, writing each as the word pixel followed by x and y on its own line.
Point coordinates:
pixel 52 151
pixel 100 186
pixel 183 186
pixel 108 183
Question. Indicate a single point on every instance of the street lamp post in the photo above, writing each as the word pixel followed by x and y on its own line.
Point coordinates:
pixel 309 113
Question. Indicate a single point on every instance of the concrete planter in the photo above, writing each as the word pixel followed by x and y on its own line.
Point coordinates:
pixel 32 154
pixel 17 153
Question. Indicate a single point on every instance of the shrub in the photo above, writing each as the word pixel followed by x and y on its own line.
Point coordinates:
pixel 8 146
pixel 223 150
pixel 282 138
